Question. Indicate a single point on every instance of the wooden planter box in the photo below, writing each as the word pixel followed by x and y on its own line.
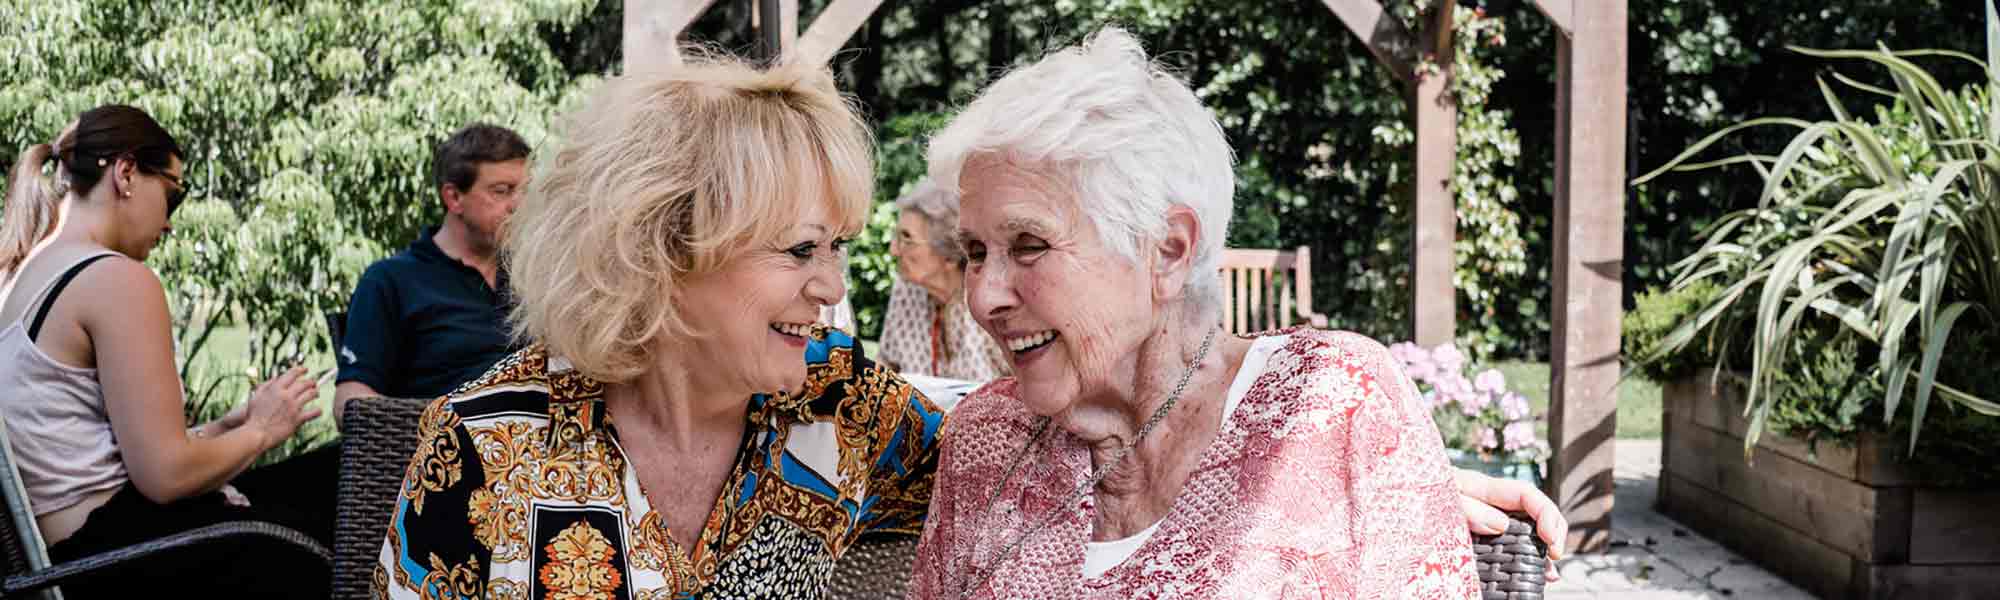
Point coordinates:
pixel 1847 523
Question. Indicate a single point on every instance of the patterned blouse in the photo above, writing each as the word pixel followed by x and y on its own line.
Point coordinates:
pixel 922 336
pixel 519 489
pixel 1328 481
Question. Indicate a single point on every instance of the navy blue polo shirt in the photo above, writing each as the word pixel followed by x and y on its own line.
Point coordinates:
pixel 421 323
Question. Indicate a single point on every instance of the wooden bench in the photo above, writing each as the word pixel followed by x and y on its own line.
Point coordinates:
pixel 1267 289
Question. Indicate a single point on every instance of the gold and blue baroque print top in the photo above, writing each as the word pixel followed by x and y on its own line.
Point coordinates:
pixel 518 489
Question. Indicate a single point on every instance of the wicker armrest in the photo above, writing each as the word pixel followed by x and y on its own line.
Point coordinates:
pixel 1513 565
pixel 231 533
pixel 378 436
pixel 877 566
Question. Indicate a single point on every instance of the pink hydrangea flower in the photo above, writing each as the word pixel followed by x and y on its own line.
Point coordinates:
pixel 1514 407
pixel 1448 358
pixel 1519 434
pixel 1407 352
pixel 1488 438
pixel 1420 371
pixel 1416 362
pixel 1490 381
pixel 1471 401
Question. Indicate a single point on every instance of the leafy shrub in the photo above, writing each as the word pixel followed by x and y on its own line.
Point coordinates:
pixel 309 127
pixel 1656 314
pixel 1871 238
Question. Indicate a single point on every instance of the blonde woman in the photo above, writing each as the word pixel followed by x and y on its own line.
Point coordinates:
pixel 663 436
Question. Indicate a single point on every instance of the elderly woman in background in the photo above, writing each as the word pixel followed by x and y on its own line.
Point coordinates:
pixel 671 261
pixel 1139 451
pixel 927 330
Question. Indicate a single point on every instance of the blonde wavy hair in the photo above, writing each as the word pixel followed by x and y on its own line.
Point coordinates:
pixel 667 175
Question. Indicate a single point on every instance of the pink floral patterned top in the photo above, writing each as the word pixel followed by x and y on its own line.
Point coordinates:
pixel 1328 481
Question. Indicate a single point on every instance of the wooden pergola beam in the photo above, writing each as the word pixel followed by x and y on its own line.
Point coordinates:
pixel 788 27
pixel 1392 45
pixel 830 30
pixel 1562 13
pixel 653 30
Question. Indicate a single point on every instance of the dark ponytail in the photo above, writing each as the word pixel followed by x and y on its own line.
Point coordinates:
pixel 83 153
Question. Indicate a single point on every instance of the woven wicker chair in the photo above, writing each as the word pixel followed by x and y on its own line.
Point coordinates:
pixel 1513 565
pixel 27 571
pixel 378 436
pixel 874 568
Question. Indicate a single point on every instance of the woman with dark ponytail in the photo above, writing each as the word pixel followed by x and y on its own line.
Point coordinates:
pixel 89 392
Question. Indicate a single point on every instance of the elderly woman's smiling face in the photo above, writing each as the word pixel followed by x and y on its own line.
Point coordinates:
pixel 1069 310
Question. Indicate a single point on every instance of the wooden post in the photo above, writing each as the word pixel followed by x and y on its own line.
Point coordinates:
pixel 776 25
pixel 1589 261
pixel 1434 218
pixel 653 29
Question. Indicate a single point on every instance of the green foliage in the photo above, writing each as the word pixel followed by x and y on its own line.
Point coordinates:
pixel 309 126
pixel 1657 313
pixel 1697 65
pixel 1825 388
pixel 1869 227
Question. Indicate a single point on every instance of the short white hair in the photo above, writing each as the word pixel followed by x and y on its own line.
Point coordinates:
pixel 1129 136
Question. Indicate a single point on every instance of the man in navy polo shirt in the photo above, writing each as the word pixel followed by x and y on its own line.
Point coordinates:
pixel 434 316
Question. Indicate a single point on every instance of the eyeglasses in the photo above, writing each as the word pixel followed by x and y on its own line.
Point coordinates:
pixel 175 194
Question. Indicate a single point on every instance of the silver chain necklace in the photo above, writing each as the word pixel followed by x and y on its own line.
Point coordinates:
pixel 1160 414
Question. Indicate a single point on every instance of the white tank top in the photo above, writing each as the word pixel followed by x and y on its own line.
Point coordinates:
pixel 55 418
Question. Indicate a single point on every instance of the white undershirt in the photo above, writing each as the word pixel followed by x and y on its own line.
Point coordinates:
pixel 1100 557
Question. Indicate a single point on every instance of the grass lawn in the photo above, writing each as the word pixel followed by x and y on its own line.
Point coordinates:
pixel 1638 398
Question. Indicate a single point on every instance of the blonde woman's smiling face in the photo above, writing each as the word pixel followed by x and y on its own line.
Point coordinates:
pixel 754 311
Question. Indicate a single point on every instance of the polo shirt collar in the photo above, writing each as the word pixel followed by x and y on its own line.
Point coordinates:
pixel 426 248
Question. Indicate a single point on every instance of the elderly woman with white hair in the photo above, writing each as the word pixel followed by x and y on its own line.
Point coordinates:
pixel 1139 451
pixel 927 330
